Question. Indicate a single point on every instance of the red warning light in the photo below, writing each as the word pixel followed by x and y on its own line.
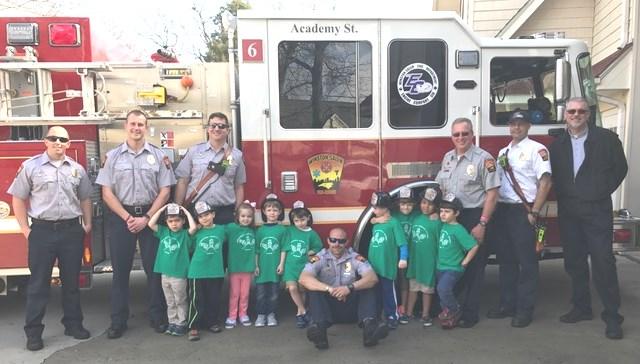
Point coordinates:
pixel 64 35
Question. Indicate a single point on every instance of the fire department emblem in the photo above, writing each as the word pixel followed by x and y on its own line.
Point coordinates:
pixel 5 210
pixel 417 84
pixel 326 172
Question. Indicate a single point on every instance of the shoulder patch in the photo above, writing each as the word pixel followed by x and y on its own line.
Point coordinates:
pixel 166 161
pixel 544 154
pixel 360 258
pixel 490 165
pixel 314 258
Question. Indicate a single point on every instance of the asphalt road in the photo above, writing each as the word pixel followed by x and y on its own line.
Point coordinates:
pixel 491 341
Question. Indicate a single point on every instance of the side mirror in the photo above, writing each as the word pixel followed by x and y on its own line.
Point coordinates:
pixel 563 85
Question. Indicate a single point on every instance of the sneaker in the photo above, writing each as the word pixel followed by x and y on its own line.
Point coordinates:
pixel 576 315
pixel 194 335
pixel 245 321
pixel 271 320
pixel 427 322
pixel 301 321
pixel 261 321
pixel 171 328
pixel 392 323
pixel 404 319
pixel 229 323
pixel 180 330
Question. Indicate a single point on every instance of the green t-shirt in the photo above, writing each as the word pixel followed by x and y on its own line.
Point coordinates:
pixel 405 220
pixel 423 250
pixel 386 238
pixel 242 248
pixel 269 238
pixel 453 244
pixel 297 245
pixel 173 252
pixel 206 261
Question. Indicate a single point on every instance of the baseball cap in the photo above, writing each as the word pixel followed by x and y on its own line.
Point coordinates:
pixel 520 115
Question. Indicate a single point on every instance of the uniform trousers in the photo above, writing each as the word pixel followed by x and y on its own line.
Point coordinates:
pixel 204 302
pixel 326 309
pixel 587 231
pixel 175 293
pixel 517 258
pixel 122 246
pixel 46 244
pixel 239 287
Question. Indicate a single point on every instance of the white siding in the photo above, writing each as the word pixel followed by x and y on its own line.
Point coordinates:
pixel 489 17
pixel 606 28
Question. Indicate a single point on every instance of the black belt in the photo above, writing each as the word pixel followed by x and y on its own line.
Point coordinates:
pixel 137 211
pixel 56 225
pixel 224 207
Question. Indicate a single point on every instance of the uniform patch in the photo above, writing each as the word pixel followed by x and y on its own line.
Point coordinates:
pixel 314 258
pixel 490 165
pixel 544 154
pixel 360 258
pixel 167 162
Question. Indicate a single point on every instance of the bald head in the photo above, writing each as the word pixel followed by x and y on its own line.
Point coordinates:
pixel 58 131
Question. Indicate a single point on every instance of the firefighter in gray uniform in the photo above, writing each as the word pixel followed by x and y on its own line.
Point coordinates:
pixel 57 191
pixel 341 290
pixel 469 172
pixel 136 180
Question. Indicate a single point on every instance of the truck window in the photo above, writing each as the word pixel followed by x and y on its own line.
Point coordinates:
pixel 525 84
pixel 417 83
pixel 325 84
pixel 588 87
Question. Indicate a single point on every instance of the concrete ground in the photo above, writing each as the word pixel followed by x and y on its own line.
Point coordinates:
pixel 491 341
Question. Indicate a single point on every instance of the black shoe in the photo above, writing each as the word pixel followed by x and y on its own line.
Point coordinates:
pixel 160 328
pixel 215 328
pixel 317 334
pixel 500 313
pixel 78 332
pixel 521 321
pixel 613 330
pixel 34 343
pixel 372 332
pixel 576 315
pixel 466 323
pixel 116 332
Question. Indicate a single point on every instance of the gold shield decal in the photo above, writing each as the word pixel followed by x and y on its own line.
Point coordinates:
pixel 326 172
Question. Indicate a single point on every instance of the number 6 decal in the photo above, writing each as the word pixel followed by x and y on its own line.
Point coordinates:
pixel 252 50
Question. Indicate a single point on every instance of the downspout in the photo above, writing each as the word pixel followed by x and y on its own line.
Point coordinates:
pixel 622 111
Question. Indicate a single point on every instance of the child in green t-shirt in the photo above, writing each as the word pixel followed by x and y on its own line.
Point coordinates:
pixel 386 238
pixel 405 214
pixel 172 261
pixel 423 252
pixel 301 241
pixel 269 239
pixel 241 239
pixel 206 273
pixel 456 248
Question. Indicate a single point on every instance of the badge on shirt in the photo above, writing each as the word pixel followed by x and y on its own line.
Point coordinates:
pixel 544 154
pixel 522 157
pixel 490 165
pixel 347 267
pixel 313 259
pixel 471 170
pixel 151 159
pixel 74 173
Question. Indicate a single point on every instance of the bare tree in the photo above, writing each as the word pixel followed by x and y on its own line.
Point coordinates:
pixel 213 33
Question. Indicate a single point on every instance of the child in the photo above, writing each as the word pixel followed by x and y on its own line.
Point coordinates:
pixel 241 238
pixel 456 248
pixel 386 237
pixel 269 238
pixel 301 241
pixel 172 261
pixel 405 215
pixel 206 273
pixel 423 250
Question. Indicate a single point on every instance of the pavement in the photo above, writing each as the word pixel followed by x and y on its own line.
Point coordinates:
pixel 491 341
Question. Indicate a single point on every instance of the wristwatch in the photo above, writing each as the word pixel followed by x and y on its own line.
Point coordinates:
pixel 535 213
pixel 351 287
pixel 327 288
pixel 482 223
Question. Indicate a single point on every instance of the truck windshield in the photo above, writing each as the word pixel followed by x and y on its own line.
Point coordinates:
pixel 588 87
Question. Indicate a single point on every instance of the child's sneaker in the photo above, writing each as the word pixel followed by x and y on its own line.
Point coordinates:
pixel 261 321
pixel 229 323
pixel 194 335
pixel 271 320
pixel 404 319
pixel 301 321
pixel 180 330
pixel 170 329
pixel 427 322
pixel 392 323
pixel 245 321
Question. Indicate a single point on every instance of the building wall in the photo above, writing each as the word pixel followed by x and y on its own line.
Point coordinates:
pixel 489 17
pixel 607 23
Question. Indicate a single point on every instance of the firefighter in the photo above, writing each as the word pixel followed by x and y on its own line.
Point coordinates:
pixel 57 191
pixel 136 180
pixel 341 289
pixel 525 181
pixel 469 172
pixel 213 172
pixel 588 165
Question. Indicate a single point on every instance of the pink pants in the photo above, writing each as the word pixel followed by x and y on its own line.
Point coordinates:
pixel 239 286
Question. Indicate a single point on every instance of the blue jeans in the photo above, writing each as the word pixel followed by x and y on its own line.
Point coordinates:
pixel 447 280
pixel 267 297
pixel 387 298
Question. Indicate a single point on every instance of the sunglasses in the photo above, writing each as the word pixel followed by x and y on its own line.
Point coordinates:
pixel 53 139
pixel 460 134
pixel 219 126
pixel 578 111
pixel 338 240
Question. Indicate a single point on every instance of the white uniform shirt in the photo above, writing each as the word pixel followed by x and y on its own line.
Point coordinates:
pixel 529 160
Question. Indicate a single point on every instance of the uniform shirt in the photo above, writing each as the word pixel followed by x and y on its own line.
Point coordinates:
pixel 337 272
pixel 241 241
pixel 54 193
pixel 423 250
pixel 269 238
pixel 386 238
pixel 222 188
pixel 453 244
pixel 136 179
pixel 529 160
pixel 468 177
pixel 206 261
pixel 173 252
pixel 297 245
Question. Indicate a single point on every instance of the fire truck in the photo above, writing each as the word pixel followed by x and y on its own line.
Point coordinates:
pixel 331 107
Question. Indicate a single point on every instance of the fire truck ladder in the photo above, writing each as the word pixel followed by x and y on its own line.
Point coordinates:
pixel 27 96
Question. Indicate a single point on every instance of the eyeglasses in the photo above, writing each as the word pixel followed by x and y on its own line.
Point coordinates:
pixel 460 134
pixel 579 111
pixel 338 240
pixel 53 139
pixel 219 126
